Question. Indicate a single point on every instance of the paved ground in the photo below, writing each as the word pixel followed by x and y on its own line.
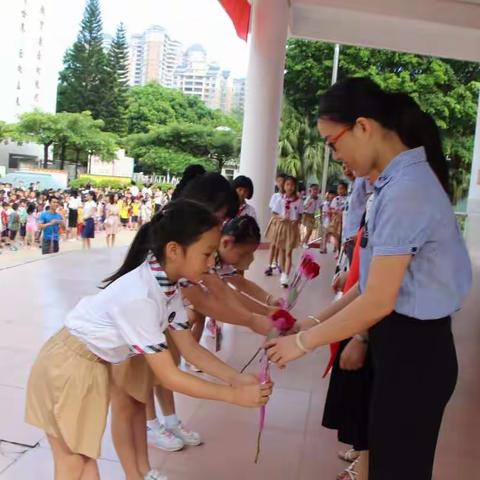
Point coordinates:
pixel 35 294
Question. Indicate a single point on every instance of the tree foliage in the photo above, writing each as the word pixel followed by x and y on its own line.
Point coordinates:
pixel 84 82
pixel 447 89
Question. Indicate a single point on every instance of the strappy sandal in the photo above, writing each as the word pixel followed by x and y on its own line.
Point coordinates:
pixel 349 455
pixel 349 473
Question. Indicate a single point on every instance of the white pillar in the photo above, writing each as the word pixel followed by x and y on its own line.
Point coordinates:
pixel 264 90
pixel 474 190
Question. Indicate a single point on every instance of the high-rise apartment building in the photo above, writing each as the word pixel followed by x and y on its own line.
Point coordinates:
pixel 154 57
pixel 238 101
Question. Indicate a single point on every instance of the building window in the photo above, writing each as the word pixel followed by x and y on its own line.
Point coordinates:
pixel 22 27
pixel 39 70
pixel 20 69
pixel 37 84
pixel 42 10
pixel 42 23
pixel 39 55
pixel 18 85
pixel 36 97
pixel 24 13
pixel 18 101
pixel 20 53
pixel 40 41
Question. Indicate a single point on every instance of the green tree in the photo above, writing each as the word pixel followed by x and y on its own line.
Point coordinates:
pixel 39 127
pixel 116 108
pixel 447 89
pixel 84 81
pixel 301 148
pixel 152 105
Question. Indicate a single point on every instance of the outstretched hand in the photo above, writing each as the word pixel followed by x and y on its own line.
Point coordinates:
pixel 283 350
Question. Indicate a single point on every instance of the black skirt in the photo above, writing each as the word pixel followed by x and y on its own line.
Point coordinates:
pixel 415 372
pixel 348 402
pixel 72 218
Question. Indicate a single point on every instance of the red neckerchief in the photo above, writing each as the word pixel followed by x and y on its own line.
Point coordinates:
pixel 242 209
pixel 310 200
pixel 288 202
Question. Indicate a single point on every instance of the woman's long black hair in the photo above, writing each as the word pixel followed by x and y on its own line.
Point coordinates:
pixel 352 98
pixel 182 221
pixel 191 172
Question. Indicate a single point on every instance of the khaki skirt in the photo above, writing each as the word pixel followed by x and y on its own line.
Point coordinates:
pixel 135 377
pixel 308 221
pixel 271 229
pixel 287 235
pixel 68 394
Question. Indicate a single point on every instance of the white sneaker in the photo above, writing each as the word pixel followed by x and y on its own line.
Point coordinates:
pixel 284 280
pixel 188 437
pixel 155 475
pixel 164 439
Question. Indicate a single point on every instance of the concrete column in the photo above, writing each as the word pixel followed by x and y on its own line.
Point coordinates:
pixel 264 90
pixel 473 205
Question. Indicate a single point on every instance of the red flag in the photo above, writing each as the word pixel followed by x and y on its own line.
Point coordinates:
pixel 239 12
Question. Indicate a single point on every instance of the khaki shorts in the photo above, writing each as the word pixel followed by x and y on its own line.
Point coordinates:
pixel 68 394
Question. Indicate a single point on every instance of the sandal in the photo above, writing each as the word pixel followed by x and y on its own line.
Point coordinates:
pixel 349 473
pixel 348 455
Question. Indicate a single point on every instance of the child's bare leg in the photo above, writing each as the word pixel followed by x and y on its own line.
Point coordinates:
pixel 288 262
pixel 124 414
pixel 308 234
pixel 273 253
pixel 68 465
pixel 90 472
pixel 282 255
pixel 140 436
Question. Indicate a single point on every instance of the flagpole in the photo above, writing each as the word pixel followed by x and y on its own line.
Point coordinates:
pixel 326 158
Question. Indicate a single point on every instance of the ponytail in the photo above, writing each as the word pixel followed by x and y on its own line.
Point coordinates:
pixel 181 221
pixel 352 98
pixel 243 229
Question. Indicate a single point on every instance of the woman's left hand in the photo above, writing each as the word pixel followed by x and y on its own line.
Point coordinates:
pixel 283 350
pixel 244 379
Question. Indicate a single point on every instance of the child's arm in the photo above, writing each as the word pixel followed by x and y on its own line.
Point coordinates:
pixel 225 307
pixel 176 380
pixel 255 291
pixel 207 361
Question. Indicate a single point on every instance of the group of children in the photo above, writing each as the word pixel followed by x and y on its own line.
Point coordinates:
pixel 292 212
pixel 119 346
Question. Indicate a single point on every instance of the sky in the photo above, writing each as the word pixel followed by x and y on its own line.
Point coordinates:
pixel 190 21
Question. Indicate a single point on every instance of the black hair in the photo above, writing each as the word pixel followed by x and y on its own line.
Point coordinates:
pixel 191 172
pixel 331 191
pixel 243 229
pixel 345 184
pixel 352 98
pixel 314 185
pixel 292 179
pixel 182 221
pixel 31 209
pixel 111 198
pixel 243 182
pixel 281 175
pixel 214 191
pixel 15 206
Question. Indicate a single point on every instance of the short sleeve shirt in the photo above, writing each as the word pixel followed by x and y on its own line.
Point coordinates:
pixel 312 205
pixel 51 232
pixel 412 215
pixel 127 318
pixel 288 209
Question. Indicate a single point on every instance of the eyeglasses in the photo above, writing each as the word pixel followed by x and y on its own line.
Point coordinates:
pixel 333 140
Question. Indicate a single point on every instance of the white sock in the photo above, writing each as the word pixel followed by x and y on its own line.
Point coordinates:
pixel 171 421
pixel 153 424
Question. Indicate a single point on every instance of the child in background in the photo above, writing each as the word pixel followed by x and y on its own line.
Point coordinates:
pixel 336 216
pixel 312 204
pixel 31 225
pixel 22 212
pixel 289 210
pixel 272 225
pixel 135 213
pixel 244 188
pixel 124 212
pixel 80 224
pixel 13 225
pixel 326 219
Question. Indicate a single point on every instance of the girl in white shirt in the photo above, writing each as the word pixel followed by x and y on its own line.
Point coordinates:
pixel 289 210
pixel 69 385
pixel 244 187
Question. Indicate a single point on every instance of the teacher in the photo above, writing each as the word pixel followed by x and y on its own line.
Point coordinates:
pixel 414 274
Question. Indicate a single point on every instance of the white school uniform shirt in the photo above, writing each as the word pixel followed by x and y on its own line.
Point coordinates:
pixel 88 209
pixel 247 209
pixel 274 199
pixel 294 212
pixel 311 205
pixel 129 317
pixel 74 203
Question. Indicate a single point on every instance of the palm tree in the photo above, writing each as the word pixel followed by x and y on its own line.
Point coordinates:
pixel 300 147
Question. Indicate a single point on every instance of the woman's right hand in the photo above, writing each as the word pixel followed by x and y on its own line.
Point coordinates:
pixel 252 395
